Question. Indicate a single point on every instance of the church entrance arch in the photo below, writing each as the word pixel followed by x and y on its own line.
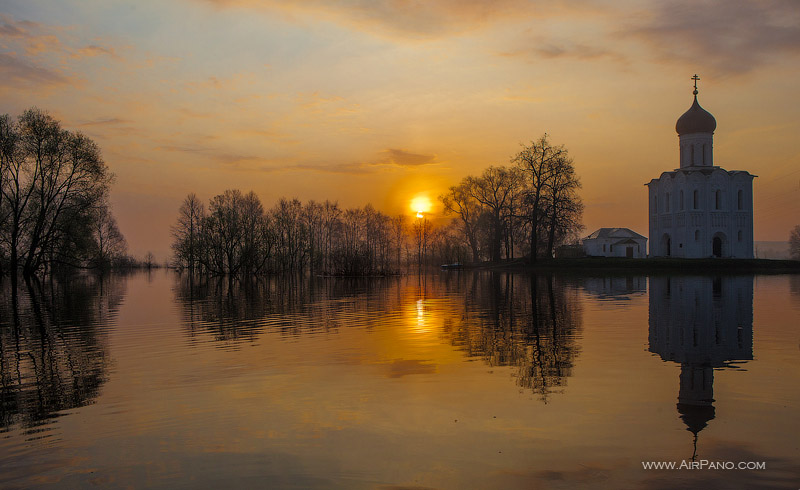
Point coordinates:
pixel 717 245
pixel 666 245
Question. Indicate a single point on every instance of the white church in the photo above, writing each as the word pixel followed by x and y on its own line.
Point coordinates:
pixel 700 210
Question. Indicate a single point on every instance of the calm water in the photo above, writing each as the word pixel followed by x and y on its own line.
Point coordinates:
pixel 457 380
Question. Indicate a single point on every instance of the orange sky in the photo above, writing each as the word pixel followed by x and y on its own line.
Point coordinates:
pixel 379 101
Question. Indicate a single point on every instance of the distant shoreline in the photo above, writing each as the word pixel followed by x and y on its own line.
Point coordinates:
pixel 655 265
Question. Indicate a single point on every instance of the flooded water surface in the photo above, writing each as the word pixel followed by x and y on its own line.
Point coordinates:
pixel 452 380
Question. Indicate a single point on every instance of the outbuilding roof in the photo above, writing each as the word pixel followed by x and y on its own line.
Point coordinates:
pixel 618 233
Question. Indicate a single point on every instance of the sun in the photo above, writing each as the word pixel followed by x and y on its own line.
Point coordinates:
pixel 421 204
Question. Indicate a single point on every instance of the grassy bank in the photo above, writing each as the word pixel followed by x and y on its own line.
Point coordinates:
pixel 654 265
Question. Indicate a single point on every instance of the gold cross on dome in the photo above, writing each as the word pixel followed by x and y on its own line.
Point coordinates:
pixel 695 78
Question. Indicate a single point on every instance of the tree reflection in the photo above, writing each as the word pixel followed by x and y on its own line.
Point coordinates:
pixel 703 323
pixel 239 311
pixel 794 287
pixel 530 322
pixel 616 288
pixel 53 352
pixel 527 322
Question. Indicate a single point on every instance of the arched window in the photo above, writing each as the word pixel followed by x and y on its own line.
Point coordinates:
pixel 666 202
pixel 655 204
pixel 697 235
pixel 681 204
pixel 718 199
pixel 739 235
pixel 692 159
pixel 739 201
pixel 696 199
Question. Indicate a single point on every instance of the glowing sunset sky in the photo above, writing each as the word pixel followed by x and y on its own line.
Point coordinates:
pixel 378 101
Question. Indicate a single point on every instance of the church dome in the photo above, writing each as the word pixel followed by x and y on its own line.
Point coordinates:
pixel 696 120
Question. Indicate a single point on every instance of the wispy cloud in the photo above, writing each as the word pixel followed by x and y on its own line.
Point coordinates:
pixel 403 158
pixel 21 73
pixel 388 160
pixel 184 149
pixel 93 50
pixel 230 83
pixel 729 37
pixel 391 159
pixel 107 121
pixel 36 40
pixel 550 49
pixel 13 28
pixel 414 19
pixel 342 168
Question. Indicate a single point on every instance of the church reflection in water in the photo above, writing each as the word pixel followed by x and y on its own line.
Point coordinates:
pixel 704 323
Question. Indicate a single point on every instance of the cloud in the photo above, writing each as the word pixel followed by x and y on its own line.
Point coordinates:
pixel 108 121
pixel 314 101
pixel 12 28
pixel 730 38
pixel 20 73
pixel 341 168
pixel 93 50
pixel 405 158
pixel 40 39
pixel 549 49
pixel 184 149
pixel 389 160
pixel 420 19
pixel 29 36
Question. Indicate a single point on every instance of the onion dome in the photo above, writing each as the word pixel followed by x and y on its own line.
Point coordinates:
pixel 696 417
pixel 696 120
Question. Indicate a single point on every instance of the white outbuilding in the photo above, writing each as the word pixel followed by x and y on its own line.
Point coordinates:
pixel 615 242
pixel 700 210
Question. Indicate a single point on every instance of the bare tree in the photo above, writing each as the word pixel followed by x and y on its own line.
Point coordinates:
pixel 330 224
pixel 238 238
pixel 458 200
pixel 109 242
pixel 537 162
pixel 421 229
pixel 398 225
pixel 494 190
pixel 52 183
pixel 234 236
pixel 564 207
pixel 187 232
pixel 794 243
pixel 16 175
pixel 72 181
pixel 291 234
pixel 446 245
pixel 312 217
pixel 251 216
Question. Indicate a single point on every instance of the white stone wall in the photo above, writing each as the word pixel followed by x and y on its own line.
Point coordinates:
pixel 697 150
pixel 692 206
pixel 604 247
